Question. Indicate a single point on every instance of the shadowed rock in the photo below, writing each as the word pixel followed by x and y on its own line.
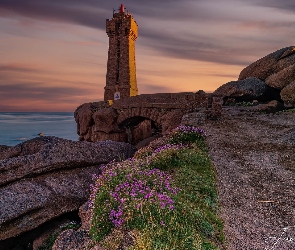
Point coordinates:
pixel 248 89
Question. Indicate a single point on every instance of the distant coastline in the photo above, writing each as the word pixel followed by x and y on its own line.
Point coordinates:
pixel 17 127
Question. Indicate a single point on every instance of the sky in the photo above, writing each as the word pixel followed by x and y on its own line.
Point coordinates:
pixel 53 54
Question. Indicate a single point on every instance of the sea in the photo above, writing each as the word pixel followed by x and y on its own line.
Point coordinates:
pixel 17 127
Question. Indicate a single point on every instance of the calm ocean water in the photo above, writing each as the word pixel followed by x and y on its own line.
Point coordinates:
pixel 16 127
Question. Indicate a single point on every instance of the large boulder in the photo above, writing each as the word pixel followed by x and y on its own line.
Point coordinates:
pixel 248 89
pixel 277 70
pixel 270 64
pixel 288 95
pixel 46 177
pixel 281 79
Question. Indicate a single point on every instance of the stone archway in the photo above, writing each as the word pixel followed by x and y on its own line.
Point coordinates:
pixel 100 121
pixel 138 128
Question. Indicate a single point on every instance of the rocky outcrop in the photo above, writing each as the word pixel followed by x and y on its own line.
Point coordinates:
pixel 277 70
pixel 248 89
pixel 48 176
pixel 288 95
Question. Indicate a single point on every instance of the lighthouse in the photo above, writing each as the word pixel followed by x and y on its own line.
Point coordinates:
pixel 122 31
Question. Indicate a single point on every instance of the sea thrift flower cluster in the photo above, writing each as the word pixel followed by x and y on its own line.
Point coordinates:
pixel 190 129
pixel 130 189
pixel 109 172
pixel 169 146
pixel 143 153
pixel 186 134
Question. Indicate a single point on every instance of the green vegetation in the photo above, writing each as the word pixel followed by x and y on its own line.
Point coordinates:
pixel 245 104
pixel 164 198
pixel 291 110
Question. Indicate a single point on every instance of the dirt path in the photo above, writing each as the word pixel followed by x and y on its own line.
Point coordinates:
pixel 254 156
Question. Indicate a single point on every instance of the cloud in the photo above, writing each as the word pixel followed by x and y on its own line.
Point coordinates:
pixel 288 5
pixel 39 91
pixel 25 87
pixel 225 32
pixel 16 68
pixel 75 12
pixel 195 42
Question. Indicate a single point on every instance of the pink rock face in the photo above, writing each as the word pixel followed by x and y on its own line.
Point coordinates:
pixel 281 79
pixel 288 95
pixel 85 215
pixel 171 120
pixel 250 88
pixel 46 177
pixel 72 240
pixel 270 64
pixel 106 120
pixel 277 70
pixel 141 131
pixel 83 119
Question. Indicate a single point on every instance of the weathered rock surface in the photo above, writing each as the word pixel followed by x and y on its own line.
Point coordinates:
pixel 170 121
pixel 77 239
pixel 269 107
pixel 277 70
pixel 248 89
pixel 55 228
pixel 48 176
pixel 270 64
pixel 288 95
pixel 74 240
pixel 281 79
pixel 106 120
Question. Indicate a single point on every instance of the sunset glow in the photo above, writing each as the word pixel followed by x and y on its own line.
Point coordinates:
pixel 53 54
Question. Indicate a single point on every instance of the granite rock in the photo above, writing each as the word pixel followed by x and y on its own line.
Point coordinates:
pixel 288 95
pixel 270 64
pixel 247 89
pixel 46 177
pixel 277 70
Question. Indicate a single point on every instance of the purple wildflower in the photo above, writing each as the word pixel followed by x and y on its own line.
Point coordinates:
pixel 190 129
pixel 131 190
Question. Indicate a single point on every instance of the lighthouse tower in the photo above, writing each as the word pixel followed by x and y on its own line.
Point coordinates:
pixel 121 68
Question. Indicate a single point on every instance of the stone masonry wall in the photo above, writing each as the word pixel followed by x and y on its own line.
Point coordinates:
pixel 99 121
pixel 122 31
